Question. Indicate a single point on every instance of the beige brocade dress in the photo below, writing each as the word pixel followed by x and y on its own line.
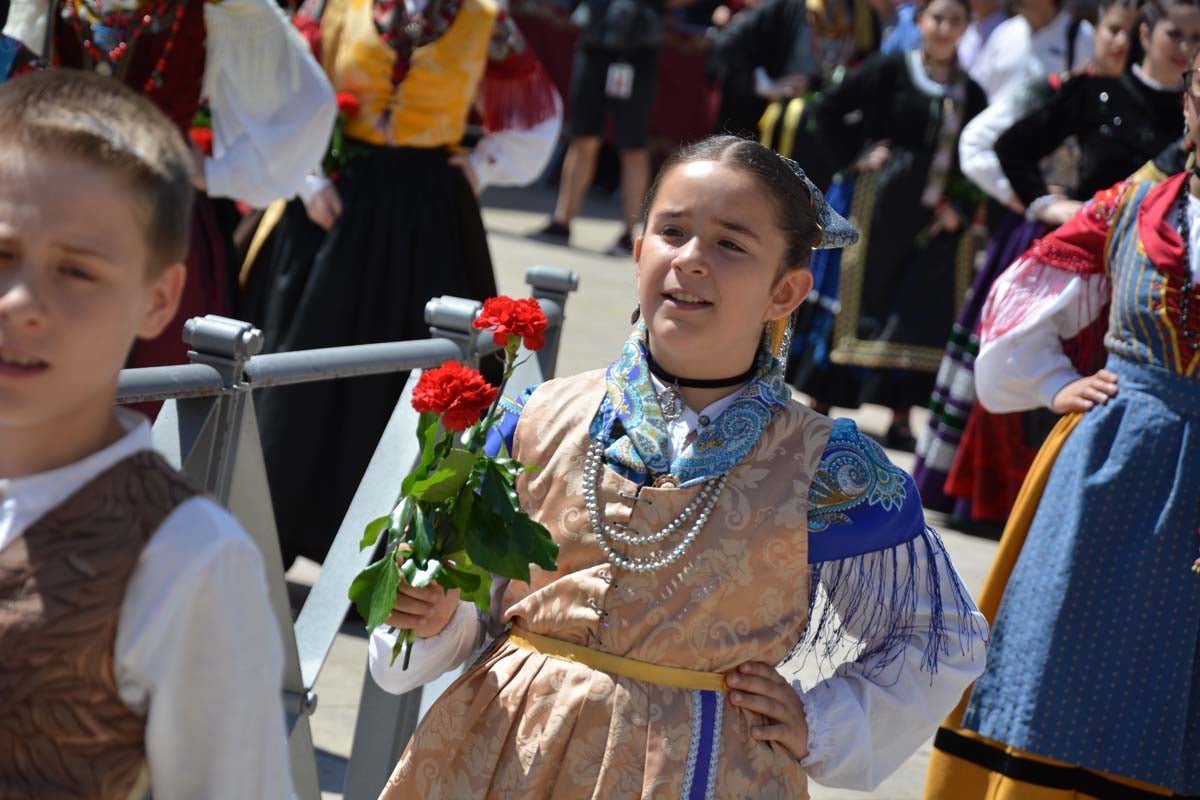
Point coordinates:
pixel 520 724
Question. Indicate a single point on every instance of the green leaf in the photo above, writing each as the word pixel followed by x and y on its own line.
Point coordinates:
pixel 481 595
pixel 427 435
pixel 420 534
pixel 409 570
pixel 383 599
pixel 455 578
pixel 400 517
pixel 534 542
pixel 490 548
pixel 374 591
pixel 496 492
pixel 444 484
pixel 371 533
pixel 424 576
pixel 461 521
pixel 363 586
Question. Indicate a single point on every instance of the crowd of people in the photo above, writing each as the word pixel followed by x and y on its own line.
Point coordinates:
pixel 988 211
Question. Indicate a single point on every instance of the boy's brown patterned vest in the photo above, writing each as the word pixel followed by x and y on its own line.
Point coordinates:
pixel 64 731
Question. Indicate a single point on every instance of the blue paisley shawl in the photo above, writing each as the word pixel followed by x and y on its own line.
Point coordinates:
pixel 865 520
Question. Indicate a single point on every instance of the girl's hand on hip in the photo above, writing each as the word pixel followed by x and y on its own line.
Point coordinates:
pixel 1085 393
pixel 758 687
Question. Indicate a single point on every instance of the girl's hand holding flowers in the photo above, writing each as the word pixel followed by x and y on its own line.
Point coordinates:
pixel 759 687
pixel 458 519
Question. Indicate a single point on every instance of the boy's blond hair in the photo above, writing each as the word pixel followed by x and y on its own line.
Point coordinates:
pixel 101 122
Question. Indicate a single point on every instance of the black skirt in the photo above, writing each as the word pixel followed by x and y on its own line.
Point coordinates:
pixel 410 231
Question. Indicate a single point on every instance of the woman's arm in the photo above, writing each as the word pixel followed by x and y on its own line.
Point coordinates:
pixel 1038 134
pixel 1055 290
pixel 521 110
pixel 272 106
pixel 843 112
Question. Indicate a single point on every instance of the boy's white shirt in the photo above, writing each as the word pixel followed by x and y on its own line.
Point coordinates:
pixel 198 650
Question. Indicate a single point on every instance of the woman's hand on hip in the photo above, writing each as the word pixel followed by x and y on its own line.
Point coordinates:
pixel 1085 393
pixel 463 164
pixel 325 206
pixel 758 687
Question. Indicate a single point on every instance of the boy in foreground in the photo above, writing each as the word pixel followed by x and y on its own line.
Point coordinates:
pixel 138 650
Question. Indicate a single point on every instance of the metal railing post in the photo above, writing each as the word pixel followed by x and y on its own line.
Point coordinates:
pixel 554 284
pixel 451 318
pixel 225 345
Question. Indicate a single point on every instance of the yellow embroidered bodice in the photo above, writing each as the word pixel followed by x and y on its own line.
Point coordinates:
pixel 430 106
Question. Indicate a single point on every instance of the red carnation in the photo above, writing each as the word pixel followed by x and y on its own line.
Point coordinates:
pixel 203 139
pixel 508 317
pixel 347 104
pixel 457 392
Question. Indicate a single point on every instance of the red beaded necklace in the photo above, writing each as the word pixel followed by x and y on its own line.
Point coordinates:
pixel 108 39
pixel 404 32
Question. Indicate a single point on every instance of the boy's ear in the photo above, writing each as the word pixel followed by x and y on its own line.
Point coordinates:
pixel 789 292
pixel 165 293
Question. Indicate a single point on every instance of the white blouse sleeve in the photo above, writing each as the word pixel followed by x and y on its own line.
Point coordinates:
pixel 1025 367
pixel 872 714
pixel 514 156
pixel 430 657
pixel 977 147
pixel 199 652
pixel 272 106
pixel 27 24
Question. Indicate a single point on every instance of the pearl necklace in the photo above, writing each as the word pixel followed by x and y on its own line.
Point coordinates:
pixel 704 503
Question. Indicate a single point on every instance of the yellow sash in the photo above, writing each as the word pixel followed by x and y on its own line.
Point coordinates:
pixel 676 677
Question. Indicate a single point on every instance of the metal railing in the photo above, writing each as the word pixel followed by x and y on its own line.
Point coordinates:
pixel 207 428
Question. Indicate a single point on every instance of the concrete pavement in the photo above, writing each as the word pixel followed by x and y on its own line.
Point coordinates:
pixel 596 327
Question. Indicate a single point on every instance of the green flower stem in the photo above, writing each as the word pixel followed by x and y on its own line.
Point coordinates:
pixel 479 437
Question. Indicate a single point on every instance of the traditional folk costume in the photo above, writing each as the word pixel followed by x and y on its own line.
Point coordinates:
pixel 140 651
pixel 410 229
pixel 271 108
pixel 1093 679
pixel 899 286
pixel 797 536
pixel 972 462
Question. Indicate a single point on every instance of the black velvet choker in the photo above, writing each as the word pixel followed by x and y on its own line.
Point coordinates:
pixel 696 383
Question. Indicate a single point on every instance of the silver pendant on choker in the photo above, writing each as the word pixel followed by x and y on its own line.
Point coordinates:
pixel 671 402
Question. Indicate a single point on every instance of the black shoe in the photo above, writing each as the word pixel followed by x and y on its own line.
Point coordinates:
pixel 554 233
pixel 899 437
pixel 621 247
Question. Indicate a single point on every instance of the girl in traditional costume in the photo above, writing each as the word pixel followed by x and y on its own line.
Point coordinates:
pixel 1078 134
pixel 709 526
pixel 1093 681
pixel 270 106
pixel 394 224
pixel 900 287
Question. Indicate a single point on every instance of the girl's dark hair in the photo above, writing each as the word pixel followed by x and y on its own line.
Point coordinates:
pixel 924 4
pixel 1105 5
pixel 1155 11
pixel 793 202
